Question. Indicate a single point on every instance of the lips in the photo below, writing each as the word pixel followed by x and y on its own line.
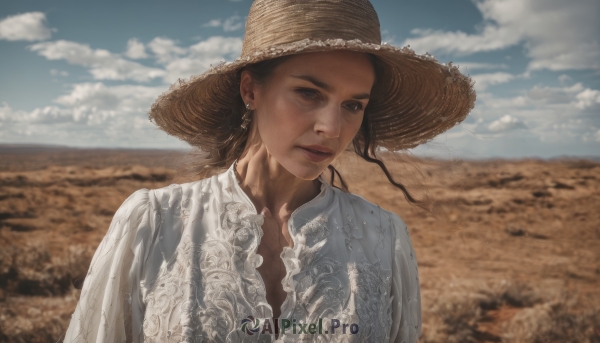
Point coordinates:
pixel 318 148
pixel 316 153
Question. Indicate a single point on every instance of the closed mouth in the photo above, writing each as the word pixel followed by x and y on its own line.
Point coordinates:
pixel 318 150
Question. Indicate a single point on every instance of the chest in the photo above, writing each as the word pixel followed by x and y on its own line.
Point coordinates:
pixel 213 283
pixel 272 270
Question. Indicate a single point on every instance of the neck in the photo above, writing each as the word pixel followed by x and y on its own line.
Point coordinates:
pixel 269 185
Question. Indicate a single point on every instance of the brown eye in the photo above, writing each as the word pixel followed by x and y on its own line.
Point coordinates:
pixel 354 107
pixel 308 93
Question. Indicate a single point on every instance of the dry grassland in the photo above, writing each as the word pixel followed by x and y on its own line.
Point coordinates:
pixel 510 252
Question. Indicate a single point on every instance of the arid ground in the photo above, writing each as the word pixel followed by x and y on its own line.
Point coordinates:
pixel 508 250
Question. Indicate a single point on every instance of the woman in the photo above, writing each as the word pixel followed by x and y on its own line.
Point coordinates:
pixel 268 250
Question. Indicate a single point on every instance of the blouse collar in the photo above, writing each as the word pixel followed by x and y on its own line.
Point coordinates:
pixel 235 182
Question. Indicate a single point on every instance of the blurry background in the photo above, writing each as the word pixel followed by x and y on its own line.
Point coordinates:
pixel 511 253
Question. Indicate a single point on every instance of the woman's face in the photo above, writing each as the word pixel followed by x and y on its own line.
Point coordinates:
pixel 310 108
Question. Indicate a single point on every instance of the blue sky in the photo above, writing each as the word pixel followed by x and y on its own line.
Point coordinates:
pixel 84 73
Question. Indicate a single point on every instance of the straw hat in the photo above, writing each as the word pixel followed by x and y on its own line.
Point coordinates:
pixel 416 98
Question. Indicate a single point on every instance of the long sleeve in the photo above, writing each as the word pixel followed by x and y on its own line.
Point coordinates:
pixel 406 301
pixel 109 308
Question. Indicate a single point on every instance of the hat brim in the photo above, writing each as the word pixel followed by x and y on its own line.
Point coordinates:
pixel 417 99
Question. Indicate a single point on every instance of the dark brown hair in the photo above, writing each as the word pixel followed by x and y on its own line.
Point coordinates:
pixel 204 164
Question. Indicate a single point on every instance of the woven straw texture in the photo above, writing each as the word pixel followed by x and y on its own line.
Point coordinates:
pixel 416 100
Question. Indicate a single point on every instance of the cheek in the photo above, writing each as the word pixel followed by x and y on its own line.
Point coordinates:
pixel 351 128
pixel 282 123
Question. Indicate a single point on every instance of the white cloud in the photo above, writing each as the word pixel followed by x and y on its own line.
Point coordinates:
pixel 217 46
pixel 213 23
pixel 135 49
pixel 91 104
pixel 29 26
pixel 102 64
pixel 548 114
pixel 532 123
pixel 469 66
pixel 460 43
pixel 588 98
pixel 565 79
pixel 577 96
pixel 200 56
pixel 42 115
pixel 109 100
pixel 165 49
pixel 232 23
pixel 178 62
pixel 506 123
pixel 96 102
pixel 557 35
pixel 555 95
pixel 55 72
pixel 91 114
pixel 5 112
pixel 483 81
pixel 96 114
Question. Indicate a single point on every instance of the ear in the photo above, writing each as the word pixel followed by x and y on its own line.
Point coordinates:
pixel 247 88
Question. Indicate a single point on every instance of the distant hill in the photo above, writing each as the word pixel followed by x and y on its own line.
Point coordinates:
pixel 36 156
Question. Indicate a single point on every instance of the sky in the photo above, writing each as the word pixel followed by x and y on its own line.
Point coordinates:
pixel 84 74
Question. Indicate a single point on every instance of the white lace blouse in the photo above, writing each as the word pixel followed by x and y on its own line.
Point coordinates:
pixel 178 264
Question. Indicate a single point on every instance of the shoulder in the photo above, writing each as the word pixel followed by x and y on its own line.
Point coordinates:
pixel 356 201
pixel 174 194
pixel 362 205
pixel 134 205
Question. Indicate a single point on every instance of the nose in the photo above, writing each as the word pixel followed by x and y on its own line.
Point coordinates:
pixel 328 122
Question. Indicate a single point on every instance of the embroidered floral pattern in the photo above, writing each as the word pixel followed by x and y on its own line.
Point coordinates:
pixel 166 303
pixel 315 230
pixel 372 298
pixel 156 321
pixel 320 293
pixel 223 286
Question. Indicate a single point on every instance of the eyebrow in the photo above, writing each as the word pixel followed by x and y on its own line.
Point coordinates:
pixel 327 87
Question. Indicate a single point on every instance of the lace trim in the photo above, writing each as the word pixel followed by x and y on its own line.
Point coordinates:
pixel 289 255
pixel 201 293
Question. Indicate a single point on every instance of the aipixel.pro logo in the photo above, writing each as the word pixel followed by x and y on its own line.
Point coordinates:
pixel 252 326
